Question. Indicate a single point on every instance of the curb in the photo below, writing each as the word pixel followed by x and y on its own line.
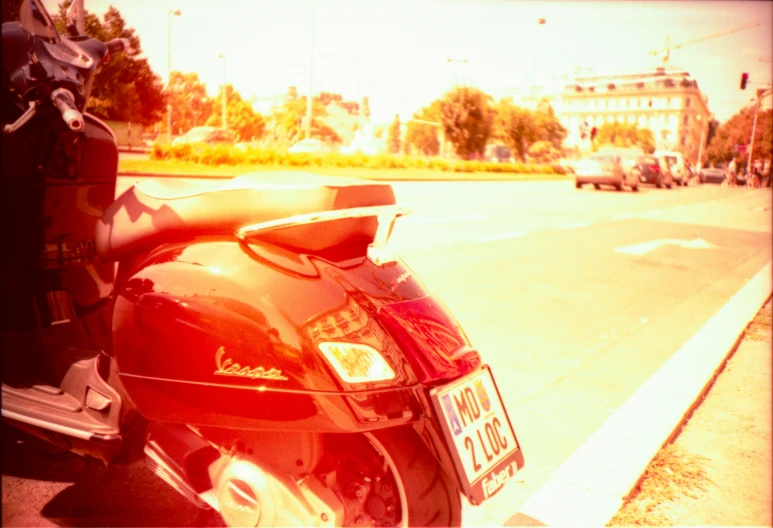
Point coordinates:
pixel 591 485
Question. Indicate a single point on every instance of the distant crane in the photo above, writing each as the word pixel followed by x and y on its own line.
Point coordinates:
pixel 665 53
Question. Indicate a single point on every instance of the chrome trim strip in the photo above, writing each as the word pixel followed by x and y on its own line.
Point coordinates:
pixel 378 252
pixel 264 388
pixel 63 429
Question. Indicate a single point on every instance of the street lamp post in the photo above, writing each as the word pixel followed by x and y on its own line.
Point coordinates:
pixel 540 22
pixel 225 123
pixel 175 12
pixel 311 71
pixel 456 63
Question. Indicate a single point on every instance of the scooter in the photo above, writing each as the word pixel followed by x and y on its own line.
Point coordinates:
pixel 255 341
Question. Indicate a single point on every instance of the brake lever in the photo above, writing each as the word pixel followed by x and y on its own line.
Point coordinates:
pixel 26 116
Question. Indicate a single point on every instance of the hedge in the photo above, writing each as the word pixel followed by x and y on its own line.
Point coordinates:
pixel 230 155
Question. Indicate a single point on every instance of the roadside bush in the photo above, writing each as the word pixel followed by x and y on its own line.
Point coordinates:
pixel 231 155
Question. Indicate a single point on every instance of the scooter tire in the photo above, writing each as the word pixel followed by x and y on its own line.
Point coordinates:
pixel 432 496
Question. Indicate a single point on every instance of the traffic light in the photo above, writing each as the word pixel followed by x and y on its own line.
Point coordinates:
pixel 593 132
pixel 744 80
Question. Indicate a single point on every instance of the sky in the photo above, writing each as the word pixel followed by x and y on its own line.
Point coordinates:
pixel 397 51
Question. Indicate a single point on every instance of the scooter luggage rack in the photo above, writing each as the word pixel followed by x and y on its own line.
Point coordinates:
pixel 378 253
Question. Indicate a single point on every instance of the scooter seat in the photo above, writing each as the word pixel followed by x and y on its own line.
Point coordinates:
pixel 154 211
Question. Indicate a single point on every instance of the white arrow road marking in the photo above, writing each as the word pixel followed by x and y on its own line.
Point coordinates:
pixel 505 236
pixel 646 247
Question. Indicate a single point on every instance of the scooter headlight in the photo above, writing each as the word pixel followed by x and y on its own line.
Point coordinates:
pixel 356 363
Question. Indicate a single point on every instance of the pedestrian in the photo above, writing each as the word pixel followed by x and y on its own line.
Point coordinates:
pixel 731 172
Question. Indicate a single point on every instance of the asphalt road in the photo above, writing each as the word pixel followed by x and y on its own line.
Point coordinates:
pixel 574 297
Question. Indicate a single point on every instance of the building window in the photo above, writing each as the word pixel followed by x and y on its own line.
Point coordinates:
pixel 683 141
pixel 686 119
pixel 687 102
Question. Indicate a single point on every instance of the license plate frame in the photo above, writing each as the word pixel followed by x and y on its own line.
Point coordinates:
pixel 486 482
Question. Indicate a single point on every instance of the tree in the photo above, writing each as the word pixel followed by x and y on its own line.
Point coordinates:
pixel 423 137
pixel 736 131
pixel 626 135
pixel 713 127
pixel 191 105
pixel 393 141
pixel 544 152
pixel 242 119
pixel 467 117
pixel 126 89
pixel 549 128
pixel 515 127
pixel 288 121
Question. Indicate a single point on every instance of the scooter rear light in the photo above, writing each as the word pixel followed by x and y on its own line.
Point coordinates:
pixel 432 341
pixel 356 363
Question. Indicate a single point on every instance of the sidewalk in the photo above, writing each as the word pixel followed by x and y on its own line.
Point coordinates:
pixel 718 469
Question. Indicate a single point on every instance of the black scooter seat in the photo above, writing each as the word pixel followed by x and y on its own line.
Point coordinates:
pixel 153 212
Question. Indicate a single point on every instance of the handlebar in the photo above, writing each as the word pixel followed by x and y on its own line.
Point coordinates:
pixel 64 100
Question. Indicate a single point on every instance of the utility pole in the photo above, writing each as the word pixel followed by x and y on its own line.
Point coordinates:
pixel 225 123
pixel 311 71
pixel 540 22
pixel 175 12
pixel 700 145
pixel 456 63
pixel 760 94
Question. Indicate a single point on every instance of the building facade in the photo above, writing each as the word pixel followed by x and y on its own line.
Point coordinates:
pixel 667 101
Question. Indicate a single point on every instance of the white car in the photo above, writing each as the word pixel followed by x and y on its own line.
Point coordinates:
pixel 310 146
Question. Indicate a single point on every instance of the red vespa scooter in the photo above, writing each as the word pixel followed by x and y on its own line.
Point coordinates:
pixel 257 341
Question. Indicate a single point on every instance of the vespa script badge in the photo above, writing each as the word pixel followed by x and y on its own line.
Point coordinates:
pixel 228 368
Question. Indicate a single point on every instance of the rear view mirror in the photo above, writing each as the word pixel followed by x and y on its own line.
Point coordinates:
pixel 75 20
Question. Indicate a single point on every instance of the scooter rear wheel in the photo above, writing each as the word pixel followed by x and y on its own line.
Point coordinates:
pixel 413 489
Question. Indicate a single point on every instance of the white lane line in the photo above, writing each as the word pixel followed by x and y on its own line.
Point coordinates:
pixel 575 226
pixel 443 220
pixel 646 247
pixel 504 236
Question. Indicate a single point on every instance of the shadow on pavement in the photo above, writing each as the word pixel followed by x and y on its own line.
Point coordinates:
pixel 119 496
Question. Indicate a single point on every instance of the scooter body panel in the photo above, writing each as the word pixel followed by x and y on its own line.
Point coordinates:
pixel 208 332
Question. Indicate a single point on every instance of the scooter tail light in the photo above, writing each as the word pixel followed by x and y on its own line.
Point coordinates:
pixel 356 363
pixel 431 340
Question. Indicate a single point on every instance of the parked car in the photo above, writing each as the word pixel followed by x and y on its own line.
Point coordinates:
pixel 499 154
pixel 206 135
pixel 676 165
pixel 646 169
pixel 309 146
pixel 604 169
pixel 713 175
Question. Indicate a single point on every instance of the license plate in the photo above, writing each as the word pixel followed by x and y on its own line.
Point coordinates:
pixel 478 432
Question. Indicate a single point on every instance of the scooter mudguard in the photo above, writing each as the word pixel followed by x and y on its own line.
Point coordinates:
pixel 215 333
